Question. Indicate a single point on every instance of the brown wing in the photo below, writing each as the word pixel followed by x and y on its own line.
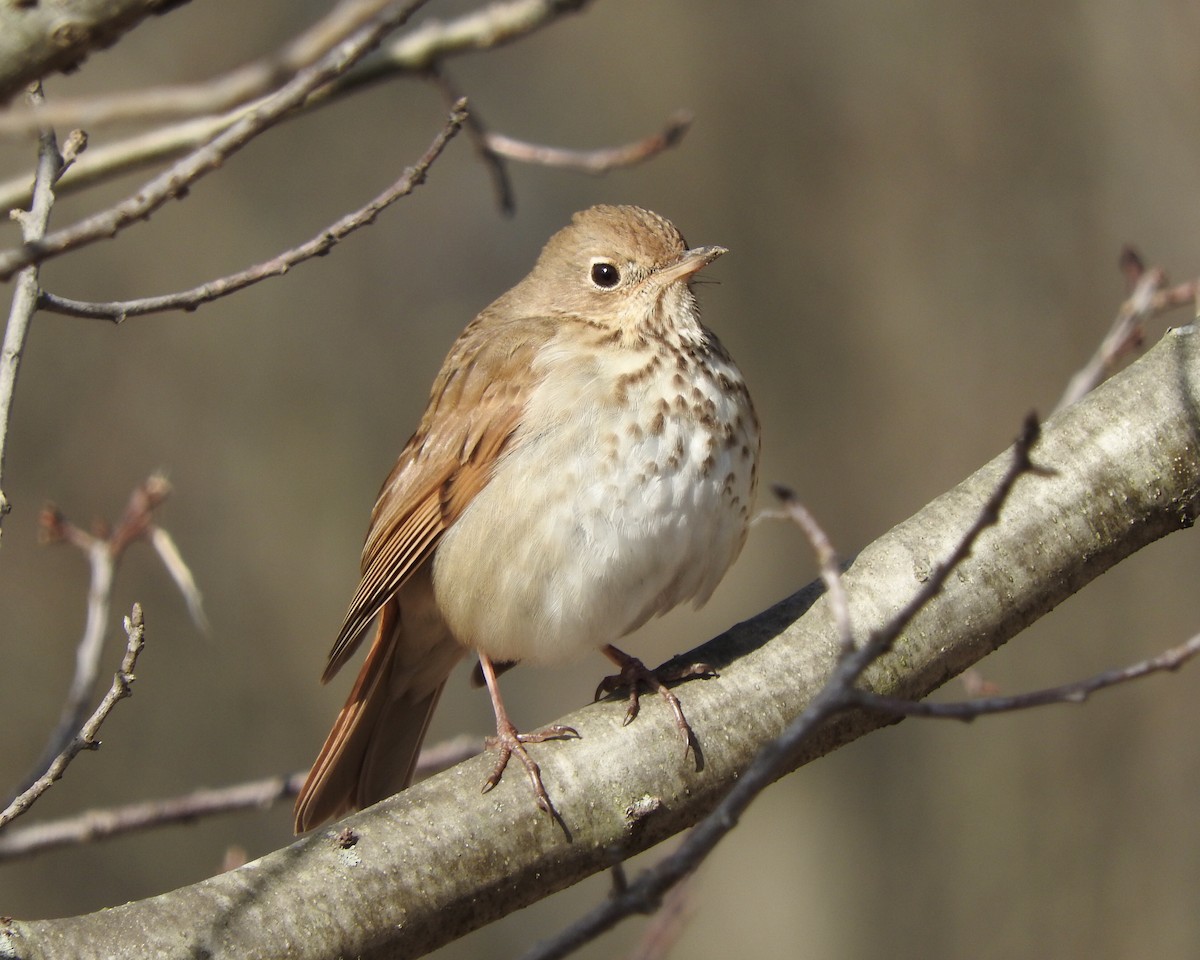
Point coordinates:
pixel 474 409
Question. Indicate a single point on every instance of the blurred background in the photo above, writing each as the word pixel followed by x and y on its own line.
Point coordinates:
pixel 924 202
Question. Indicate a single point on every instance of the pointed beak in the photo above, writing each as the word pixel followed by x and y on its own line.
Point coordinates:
pixel 689 262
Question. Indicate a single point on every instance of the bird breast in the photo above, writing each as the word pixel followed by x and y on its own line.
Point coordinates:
pixel 626 490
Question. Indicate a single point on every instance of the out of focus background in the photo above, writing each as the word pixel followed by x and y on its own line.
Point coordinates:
pixel 924 202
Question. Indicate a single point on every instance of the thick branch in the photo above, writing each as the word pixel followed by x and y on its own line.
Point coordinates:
pixel 1126 472
pixel 39 38
pixel 233 88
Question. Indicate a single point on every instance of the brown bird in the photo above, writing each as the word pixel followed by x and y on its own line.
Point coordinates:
pixel 587 461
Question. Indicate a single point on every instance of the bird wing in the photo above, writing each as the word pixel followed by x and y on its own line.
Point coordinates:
pixel 475 408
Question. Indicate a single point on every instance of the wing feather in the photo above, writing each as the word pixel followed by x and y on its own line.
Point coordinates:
pixel 475 409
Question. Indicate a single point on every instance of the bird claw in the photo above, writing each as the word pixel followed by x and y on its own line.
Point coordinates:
pixel 634 675
pixel 509 742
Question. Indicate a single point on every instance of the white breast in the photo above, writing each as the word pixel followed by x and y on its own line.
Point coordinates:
pixel 622 495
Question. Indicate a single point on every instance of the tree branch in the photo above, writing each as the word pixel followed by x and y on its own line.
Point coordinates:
pixel 33 222
pixel 1077 691
pixel 85 739
pixel 93 825
pixel 1149 296
pixel 836 696
pixel 233 88
pixel 175 181
pixel 104 555
pixel 598 161
pixel 49 35
pixel 495 24
pixel 118 311
pixel 1125 472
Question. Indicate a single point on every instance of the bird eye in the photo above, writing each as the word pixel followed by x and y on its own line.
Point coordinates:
pixel 605 275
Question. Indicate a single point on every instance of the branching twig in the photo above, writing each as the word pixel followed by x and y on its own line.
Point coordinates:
pixel 169 142
pixel 416 53
pixel 668 923
pixel 85 739
pixel 103 824
pixel 104 555
pixel 646 893
pixel 320 244
pixel 827 557
pixel 24 302
pixel 1076 692
pixel 1150 297
pixel 505 195
pixel 175 181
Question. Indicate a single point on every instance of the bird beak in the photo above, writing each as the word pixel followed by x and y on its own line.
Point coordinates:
pixel 689 262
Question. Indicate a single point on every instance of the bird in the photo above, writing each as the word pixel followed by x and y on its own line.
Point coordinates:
pixel 587 460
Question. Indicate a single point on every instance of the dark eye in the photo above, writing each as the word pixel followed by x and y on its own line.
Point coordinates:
pixel 605 274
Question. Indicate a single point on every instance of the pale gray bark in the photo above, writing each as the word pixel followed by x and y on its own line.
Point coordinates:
pixel 442 859
pixel 53 35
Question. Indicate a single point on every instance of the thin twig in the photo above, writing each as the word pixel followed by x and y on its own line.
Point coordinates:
pixel 117 311
pixel 827 558
pixel 25 295
pixel 175 181
pixel 595 162
pixel 1149 297
pixel 645 894
pixel 501 181
pixel 104 555
pixel 94 825
pixel 1076 692
pixel 85 739
pixel 667 925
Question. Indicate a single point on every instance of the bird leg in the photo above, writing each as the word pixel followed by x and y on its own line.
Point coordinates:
pixel 509 742
pixel 635 674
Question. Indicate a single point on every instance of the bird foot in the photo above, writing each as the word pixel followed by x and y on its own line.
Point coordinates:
pixel 634 675
pixel 509 743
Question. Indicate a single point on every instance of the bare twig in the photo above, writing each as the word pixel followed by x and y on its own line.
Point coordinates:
pixel 85 739
pixel 104 554
pixel 1076 692
pixel 96 825
pixel 1149 297
pixel 645 894
pixel 117 311
pixel 164 545
pixel 827 557
pixel 505 195
pixel 413 54
pixel 593 161
pixel 25 296
pixel 667 925
pixel 174 182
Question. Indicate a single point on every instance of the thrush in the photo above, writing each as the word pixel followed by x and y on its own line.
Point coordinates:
pixel 587 461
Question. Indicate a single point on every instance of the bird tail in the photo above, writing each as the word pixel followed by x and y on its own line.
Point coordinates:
pixel 371 752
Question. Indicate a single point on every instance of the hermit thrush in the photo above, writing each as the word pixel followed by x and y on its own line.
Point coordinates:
pixel 587 461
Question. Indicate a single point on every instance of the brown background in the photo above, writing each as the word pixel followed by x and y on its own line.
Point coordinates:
pixel 924 203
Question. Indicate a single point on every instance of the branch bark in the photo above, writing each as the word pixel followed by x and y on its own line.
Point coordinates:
pixel 1126 471
pixel 40 38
